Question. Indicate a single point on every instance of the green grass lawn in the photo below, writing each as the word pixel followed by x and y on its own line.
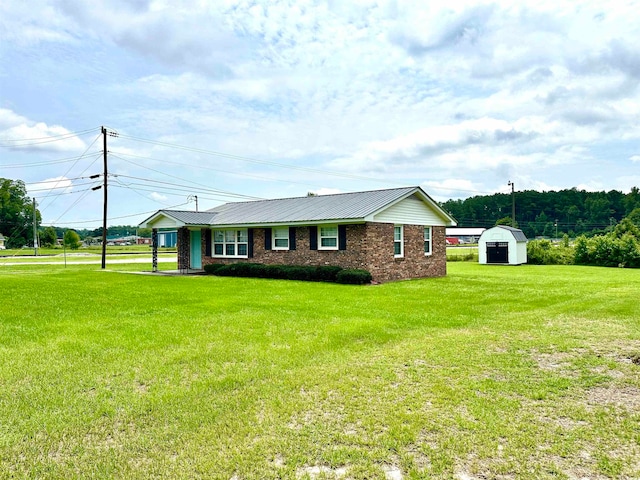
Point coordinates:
pixel 490 372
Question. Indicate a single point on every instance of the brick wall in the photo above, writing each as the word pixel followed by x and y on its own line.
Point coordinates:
pixel 369 246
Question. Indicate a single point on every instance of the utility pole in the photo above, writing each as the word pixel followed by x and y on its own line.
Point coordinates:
pixel 104 208
pixel 196 199
pixel 513 204
pixel 35 229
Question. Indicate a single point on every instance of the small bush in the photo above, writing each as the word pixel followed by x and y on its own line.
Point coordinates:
pixel 212 268
pixel 327 273
pixel 354 276
pixel 467 257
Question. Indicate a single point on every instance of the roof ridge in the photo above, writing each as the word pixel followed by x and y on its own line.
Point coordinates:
pixel 316 196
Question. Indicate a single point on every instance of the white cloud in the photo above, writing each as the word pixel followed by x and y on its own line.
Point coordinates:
pixel 20 133
pixel 635 158
pixel 158 197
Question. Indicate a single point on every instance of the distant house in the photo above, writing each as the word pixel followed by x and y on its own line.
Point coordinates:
pixel 502 245
pixel 2 247
pixel 395 234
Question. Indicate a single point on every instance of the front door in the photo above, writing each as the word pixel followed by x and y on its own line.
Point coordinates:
pixel 196 249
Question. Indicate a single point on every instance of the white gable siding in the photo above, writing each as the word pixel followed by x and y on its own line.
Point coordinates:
pixel 164 222
pixel 410 211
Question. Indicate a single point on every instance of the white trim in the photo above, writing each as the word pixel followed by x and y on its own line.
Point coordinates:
pixel 163 219
pixel 430 229
pixel 226 243
pixel 320 237
pixel 273 238
pixel 401 241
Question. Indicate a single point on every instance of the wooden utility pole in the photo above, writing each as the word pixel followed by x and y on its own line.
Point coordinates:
pixel 513 204
pixel 35 229
pixel 104 208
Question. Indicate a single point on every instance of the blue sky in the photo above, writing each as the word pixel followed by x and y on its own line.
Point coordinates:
pixel 231 100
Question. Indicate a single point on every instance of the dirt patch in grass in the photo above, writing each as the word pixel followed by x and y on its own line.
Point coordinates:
pixel 626 397
pixel 320 471
pixel 552 361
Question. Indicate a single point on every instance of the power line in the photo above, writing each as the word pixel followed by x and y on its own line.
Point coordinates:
pixel 116 218
pixel 40 140
pixel 42 164
pixel 204 189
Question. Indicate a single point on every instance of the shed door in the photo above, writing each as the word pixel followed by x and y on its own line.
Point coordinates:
pixel 497 252
pixel 196 249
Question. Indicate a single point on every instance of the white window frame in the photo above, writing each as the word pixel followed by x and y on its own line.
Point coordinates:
pixel 327 237
pixel 396 229
pixel 227 242
pixel 428 237
pixel 284 235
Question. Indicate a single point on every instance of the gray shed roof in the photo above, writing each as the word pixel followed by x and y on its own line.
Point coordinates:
pixel 516 232
pixel 321 208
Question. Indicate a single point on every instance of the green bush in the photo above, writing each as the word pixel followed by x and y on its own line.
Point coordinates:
pixel 354 276
pixel 620 248
pixel 212 268
pixel 328 273
pixel 467 257
pixel 543 252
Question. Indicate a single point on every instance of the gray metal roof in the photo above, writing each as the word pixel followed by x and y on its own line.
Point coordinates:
pixel 516 232
pixel 187 217
pixel 319 208
pixel 322 208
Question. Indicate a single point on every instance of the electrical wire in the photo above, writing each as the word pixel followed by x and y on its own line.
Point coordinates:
pixel 116 218
pixel 204 189
pixel 40 140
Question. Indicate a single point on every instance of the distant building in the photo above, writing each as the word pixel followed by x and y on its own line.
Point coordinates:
pixel 168 239
pixel 465 235
pixel 2 247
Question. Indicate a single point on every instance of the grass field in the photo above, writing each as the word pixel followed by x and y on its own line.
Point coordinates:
pixel 491 372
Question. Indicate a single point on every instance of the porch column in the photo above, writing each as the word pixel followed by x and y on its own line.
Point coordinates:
pixel 184 248
pixel 154 248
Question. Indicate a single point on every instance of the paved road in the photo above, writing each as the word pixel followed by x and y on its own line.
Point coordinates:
pixel 84 261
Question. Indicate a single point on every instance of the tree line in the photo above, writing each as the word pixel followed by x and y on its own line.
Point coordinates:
pixel 550 214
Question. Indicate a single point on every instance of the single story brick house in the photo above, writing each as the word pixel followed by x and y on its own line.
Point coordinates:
pixel 395 234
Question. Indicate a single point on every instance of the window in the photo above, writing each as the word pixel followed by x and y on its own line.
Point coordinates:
pixel 230 243
pixel 398 241
pixel 281 238
pixel 427 240
pixel 328 238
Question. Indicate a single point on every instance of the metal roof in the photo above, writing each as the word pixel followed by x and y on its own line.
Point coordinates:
pixel 342 206
pixel 315 209
pixel 516 232
pixel 185 217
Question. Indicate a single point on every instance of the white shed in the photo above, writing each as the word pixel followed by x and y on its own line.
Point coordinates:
pixel 502 245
